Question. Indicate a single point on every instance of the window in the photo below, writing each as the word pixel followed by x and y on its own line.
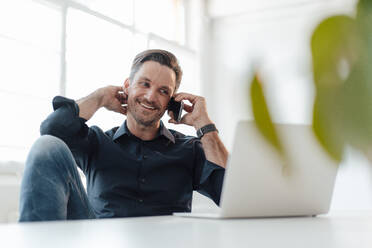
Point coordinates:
pixel 120 10
pixel 29 62
pixel 98 54
pixel 54 47
pixel 165 18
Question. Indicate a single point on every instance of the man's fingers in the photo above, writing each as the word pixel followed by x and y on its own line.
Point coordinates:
pixel 124 110
pixel 185 96
pixel 186 119
pixel 122 98
pixel 118 107
pixel 116 89
pixel 119 88
pixel 170 113
pixel 188 108
pixel 172 121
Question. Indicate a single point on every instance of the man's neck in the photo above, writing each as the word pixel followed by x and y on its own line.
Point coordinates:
pixel 141 131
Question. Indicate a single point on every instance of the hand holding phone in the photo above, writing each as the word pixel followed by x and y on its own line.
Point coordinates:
pixel 176 108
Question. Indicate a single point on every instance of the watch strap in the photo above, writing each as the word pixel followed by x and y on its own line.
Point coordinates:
pixel 206 129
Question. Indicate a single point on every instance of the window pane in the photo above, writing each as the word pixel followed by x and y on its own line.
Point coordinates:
pixel 98 54
pixel 139 44
pixel 162 17
pixel 21 123
pixel 31 22
pixel 121 10
pixel 28 70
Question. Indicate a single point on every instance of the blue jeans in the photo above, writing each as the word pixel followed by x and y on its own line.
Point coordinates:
pixel 51 187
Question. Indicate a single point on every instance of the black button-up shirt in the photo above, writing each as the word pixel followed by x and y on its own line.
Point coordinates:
pixel 127 176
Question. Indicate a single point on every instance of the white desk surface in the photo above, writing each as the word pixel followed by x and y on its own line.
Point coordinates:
pixel 346 229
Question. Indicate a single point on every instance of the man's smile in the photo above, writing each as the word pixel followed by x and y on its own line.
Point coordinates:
pixel 148 107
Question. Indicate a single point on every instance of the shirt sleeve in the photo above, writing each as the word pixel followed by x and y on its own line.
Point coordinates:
pixel 66 124
pixel 208 176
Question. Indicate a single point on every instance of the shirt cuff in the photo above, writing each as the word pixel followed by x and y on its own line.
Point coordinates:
pixel 208 169
pixel 60 101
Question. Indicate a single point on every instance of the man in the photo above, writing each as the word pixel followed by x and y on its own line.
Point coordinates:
pixel 138 169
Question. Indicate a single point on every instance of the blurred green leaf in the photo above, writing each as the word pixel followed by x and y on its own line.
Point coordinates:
pixel 357 89
pixel 364 16
pixel 262 116
pixel 334 44
pixel 357 106
pixel 325 125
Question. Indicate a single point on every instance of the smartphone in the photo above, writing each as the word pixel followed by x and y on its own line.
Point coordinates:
pixel 176 108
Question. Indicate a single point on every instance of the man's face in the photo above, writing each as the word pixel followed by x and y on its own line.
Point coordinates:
pixel 149 92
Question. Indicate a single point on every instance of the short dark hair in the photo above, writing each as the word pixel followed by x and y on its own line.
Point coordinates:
pixel 162 57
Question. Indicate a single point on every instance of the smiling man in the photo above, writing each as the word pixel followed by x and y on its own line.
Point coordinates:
pixel 138 169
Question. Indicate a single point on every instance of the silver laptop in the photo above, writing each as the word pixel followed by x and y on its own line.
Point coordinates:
pixel 259 184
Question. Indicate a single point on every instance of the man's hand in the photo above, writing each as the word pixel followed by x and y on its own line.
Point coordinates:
pixel 113 98
pixel 110 97
pixel 197 115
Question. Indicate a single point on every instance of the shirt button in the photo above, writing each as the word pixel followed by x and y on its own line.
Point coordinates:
pixel 142 180
pixel 145 156
pixel 140 200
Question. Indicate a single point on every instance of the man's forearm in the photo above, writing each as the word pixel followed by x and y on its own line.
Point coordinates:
pixel 89 104
pixel 214 149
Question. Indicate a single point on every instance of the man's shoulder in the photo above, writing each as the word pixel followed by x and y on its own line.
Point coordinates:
pixel 111 131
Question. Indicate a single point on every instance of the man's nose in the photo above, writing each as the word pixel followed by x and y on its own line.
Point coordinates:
pixel 150 95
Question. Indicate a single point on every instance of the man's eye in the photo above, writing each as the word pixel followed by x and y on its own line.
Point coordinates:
pixel 146 84
pixel 165 92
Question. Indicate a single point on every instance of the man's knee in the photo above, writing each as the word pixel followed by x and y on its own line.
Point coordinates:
pixel 44 190
pixel 48 143
pixel 49 150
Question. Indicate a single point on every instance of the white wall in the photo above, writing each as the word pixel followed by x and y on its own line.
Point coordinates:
pixel 273 35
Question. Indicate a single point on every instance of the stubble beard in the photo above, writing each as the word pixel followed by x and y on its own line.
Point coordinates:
pixel 135 110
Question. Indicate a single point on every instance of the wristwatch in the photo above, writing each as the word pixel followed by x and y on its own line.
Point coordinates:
pixel 206 129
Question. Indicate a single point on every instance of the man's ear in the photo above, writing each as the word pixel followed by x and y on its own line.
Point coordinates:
pixel 126 86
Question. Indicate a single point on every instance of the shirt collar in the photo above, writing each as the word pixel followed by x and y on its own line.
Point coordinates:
pixel 123 129
pixel 166 133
